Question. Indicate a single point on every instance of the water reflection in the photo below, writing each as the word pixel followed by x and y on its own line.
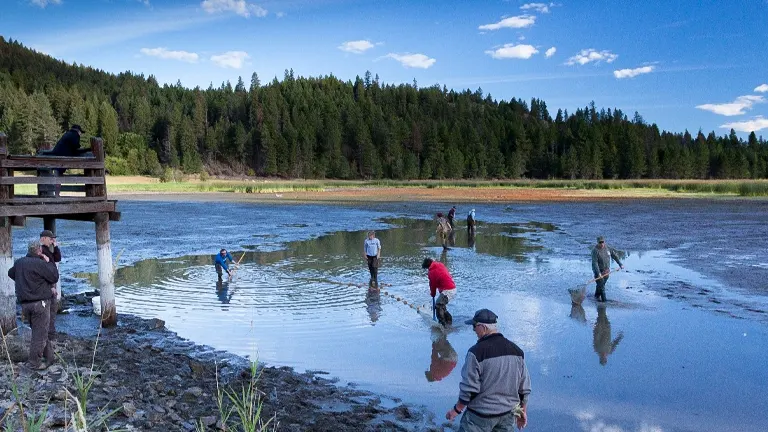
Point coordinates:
pixel 578 313
pixel 443 358
pixel 471 238
pixel 602 342
pixel 373 303
pixel 222 292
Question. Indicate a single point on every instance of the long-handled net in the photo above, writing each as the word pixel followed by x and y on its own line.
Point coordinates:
pixel 579 293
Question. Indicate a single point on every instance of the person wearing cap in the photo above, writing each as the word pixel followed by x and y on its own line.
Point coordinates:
pixel 220 262
pixel 51 250
pixel 443 230
pixel 68 145
pixel 494 380
pixel 372 253
pixel 33 276
pixel 451 216
pixel 440 280
pixel 601 265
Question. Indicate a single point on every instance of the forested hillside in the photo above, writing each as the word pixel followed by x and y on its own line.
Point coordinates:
pixel 325 127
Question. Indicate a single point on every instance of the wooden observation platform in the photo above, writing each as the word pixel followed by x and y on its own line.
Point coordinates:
pixel 81 197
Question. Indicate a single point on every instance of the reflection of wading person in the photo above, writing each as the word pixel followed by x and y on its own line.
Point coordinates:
pixel 221 263
pixel 444 359
pixel 33 276
pixel 601 265
pixel 602 342
pixel 52 251
pixel 443 230
pixel 372 253
pixel 440 281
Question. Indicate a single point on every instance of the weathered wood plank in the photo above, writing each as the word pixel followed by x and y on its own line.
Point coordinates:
pixel 51 180
pixel 38 162
pixel 31 199
pixel 7 286
pixel 57 209
pixel 106 271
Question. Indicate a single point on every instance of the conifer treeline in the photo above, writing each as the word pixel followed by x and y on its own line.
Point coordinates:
pixel 328 128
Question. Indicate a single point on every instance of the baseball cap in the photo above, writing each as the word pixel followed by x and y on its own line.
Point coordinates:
pixel 47 233
pixel 600 239
pixel 483 316
pixel 77 128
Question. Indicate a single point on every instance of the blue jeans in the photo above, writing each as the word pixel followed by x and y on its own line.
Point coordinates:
pixel 471 422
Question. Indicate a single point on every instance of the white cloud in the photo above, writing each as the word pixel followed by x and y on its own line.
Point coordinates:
pixel 144 2
pixel 538 7
pixel 231 59
pixel 280 14
pixel 165 54
pixel 356 47
pixel 737 107
pixel 762 88
pixel 240 7
pixel 756 124
pixel 521 21
pixel 550 52
pixel 631 73
pixel 44 3
pixel 509 51
pixel 413 60
pixel 592 55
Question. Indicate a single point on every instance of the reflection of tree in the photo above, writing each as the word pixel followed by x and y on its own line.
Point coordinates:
pixel 602 342
pixel 443 359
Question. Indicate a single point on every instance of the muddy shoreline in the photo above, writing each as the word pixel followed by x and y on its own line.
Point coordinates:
pixel 155 380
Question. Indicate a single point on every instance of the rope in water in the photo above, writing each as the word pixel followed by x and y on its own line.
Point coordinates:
pixel 398 299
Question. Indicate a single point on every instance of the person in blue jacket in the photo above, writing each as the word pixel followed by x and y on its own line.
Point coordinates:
pixel 221 263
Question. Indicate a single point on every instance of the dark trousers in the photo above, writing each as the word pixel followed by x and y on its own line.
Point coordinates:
pixel 54 310
pixel 39 315
pixel 600 288
pixel 372 267
pixel 219 270
pixel 441 310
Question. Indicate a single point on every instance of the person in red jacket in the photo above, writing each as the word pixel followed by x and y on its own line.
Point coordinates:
pixel 440 281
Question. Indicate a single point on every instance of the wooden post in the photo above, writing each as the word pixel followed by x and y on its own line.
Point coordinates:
pixel 97 148
pixel 7 286
pixel 49 223
pixel 106 272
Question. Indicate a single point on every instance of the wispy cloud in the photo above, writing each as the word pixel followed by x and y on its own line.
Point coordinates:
pixel 240 7
pixel 762 88
pixel 538 7
pixel 144 2
pixel 510 51
pixel 166 54
pixel 419 61
pixel 521 21
pixel 738 107
pixel 231 59
pixel 631 73
pixel 356 47
pixel 592 56
pixel 119 30
pixel 756 124
pixel 550 52
pixel 44 3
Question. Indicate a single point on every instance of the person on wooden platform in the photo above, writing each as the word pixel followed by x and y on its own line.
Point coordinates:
pixel 51 250
pixel 33 276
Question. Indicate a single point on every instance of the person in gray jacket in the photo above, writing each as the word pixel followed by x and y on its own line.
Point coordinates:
pixel 33 276
pixel 494 380
pixel 601 265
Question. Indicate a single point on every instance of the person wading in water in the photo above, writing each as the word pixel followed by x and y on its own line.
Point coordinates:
pixel 440 280
pixel 372 253
pixel 221 263
pixel 601 265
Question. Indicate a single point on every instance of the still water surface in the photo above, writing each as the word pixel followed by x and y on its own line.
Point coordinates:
pixel 680 347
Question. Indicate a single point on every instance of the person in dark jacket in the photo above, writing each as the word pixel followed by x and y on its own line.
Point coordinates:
pixel 601 265
pixel 494 381
pixel 452 216
pixel 52 251
pixel 69 145
pixel 33 276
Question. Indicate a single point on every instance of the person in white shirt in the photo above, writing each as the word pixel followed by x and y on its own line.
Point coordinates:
pixel 372 253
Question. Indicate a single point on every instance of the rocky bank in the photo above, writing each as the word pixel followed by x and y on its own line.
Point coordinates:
pixel 152 380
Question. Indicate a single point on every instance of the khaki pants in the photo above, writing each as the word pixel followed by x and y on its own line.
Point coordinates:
pixel 39 315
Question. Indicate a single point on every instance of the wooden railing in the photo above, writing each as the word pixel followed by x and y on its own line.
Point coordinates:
pixel 46 175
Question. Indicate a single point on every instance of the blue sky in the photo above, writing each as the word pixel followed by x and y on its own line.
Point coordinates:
pixel 681 64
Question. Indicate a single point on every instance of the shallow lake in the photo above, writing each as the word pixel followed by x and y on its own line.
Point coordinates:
pixel 680 346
